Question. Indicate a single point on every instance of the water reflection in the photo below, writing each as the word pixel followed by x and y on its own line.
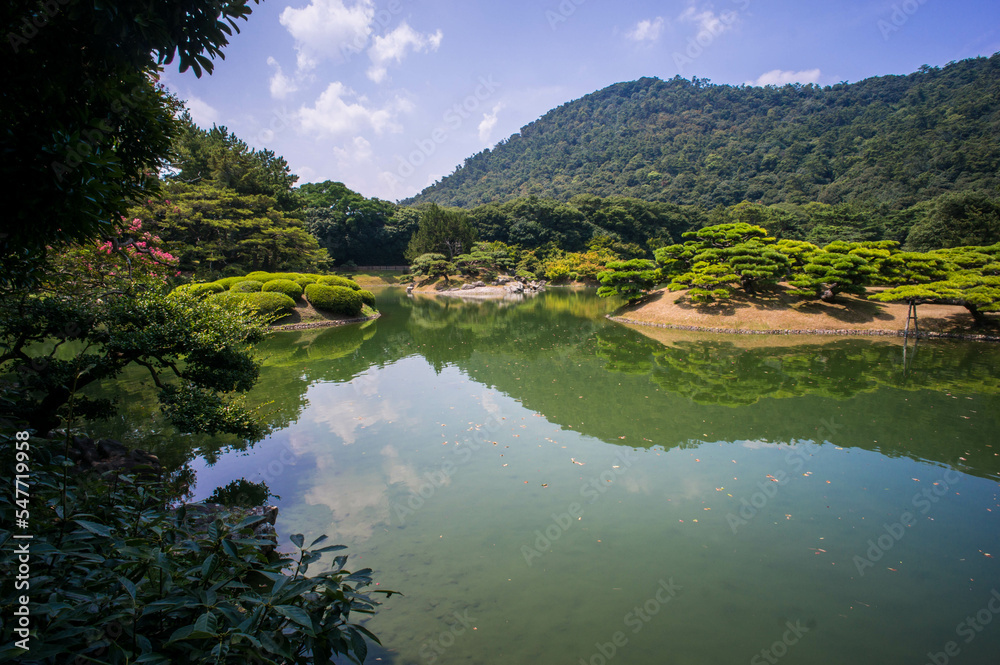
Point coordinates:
pixel 440 440
pixel 557 355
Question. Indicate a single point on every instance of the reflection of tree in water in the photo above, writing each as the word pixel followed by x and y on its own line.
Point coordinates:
pixel 717 372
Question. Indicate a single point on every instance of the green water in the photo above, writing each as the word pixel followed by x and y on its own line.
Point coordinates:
pixel 545 486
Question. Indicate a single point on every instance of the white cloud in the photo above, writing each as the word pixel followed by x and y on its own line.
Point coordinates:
pixel 281 85
pixel 339 110
pixel 779 77
pixel 204 114
pixel 358 151
pixel 394 46
pixel 328 30
pixel 710 25
pixel 489 121
pixel 646 30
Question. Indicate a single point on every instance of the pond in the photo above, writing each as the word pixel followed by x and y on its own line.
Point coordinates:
pixel 545 486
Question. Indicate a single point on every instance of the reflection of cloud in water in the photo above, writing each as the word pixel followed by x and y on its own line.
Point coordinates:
pixel 398 472
pixel 344 417
pixel 490 404
pixel 358 502
pixel 636 484
pixel 760 445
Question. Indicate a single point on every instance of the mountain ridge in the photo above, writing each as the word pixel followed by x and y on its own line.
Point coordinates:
pixel 888 141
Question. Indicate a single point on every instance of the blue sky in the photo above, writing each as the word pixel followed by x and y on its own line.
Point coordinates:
pixel 388 96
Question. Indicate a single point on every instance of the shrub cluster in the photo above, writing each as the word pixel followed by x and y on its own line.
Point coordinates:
pixel 273 293
pixel 335 299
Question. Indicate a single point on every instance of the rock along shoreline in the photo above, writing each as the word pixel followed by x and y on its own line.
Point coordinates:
pixel 814 331
pixel 324 324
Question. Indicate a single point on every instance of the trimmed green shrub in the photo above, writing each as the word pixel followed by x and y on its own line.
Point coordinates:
pixel 200 290
pixel 262 276
pixel 285 286
pixel 228 298
pixel 367 297
pixel 305 280
pixel 269 303
pixel 337 280
pixel 227 282
pixel 247 286
pixel 335 299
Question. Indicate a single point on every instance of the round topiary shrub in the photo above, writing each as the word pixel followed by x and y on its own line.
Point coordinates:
pixel 305 280
pixel 285 286
pixel 337 280
pixel 259 276
pixel 247 286
pixel 335 299
pixel 367 297
pixel 270 303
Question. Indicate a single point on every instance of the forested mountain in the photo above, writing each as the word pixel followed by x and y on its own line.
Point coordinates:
pixel 887 142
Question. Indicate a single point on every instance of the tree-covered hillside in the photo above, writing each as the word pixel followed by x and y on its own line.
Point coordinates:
pixel 888 141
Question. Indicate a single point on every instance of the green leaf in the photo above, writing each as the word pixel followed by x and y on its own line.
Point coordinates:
pixel 359 645
pixel 129 587
pixel 296 614
pixel 297 539
pixel 95 528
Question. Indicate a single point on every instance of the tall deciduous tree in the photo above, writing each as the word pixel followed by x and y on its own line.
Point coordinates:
pixel 86 124
pixel 212 230
pixel 217 156
pixel 442 231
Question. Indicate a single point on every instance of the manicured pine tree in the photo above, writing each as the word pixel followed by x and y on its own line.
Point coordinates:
pixel 841 267
pixel 631 280
pixel 718 258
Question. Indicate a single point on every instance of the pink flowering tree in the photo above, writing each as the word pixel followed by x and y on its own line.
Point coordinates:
pixel 131 255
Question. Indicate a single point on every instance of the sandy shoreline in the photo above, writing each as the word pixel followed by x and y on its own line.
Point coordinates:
pixel 780 313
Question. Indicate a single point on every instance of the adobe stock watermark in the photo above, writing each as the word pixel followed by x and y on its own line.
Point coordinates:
pixel 382 18
pixel 779 648
pixel 96 136
pixel 45 12
pixel 435 647
pixel 795 460
pixel 894 532
pixel 969 628
pixel 592 490
pixel 636 619
pixel 709 32
pixel 461 453
pixel 562 12
pixel 901 13
pixel 280 120
pixel 453 118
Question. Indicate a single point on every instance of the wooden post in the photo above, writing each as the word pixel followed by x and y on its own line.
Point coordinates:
pixel 911 315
